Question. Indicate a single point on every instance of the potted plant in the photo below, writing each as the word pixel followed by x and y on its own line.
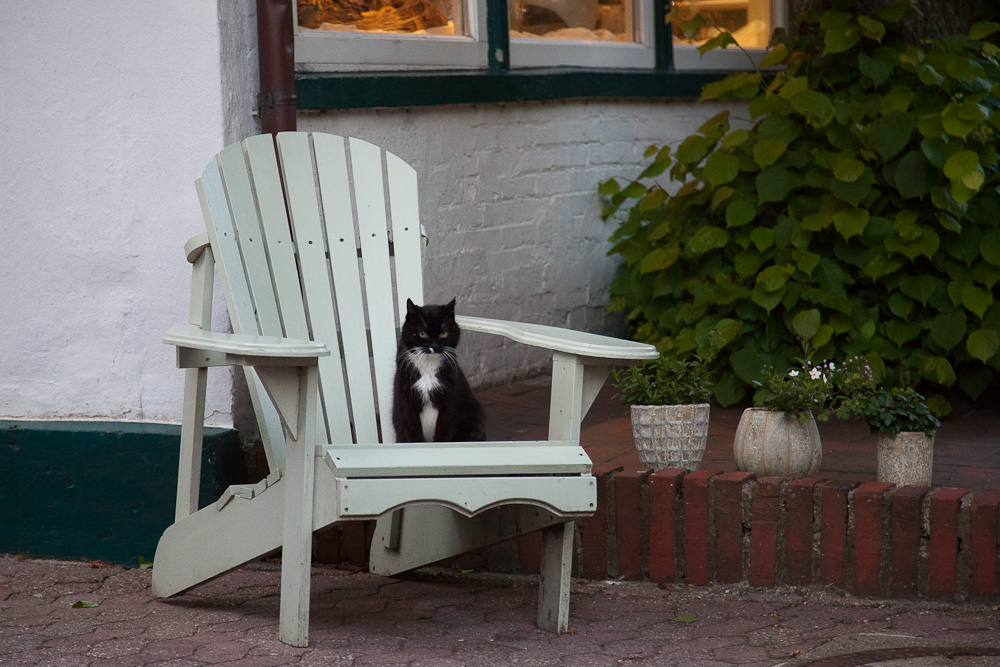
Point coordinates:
pixel 668 401
pixel 900 418
pixel 778 436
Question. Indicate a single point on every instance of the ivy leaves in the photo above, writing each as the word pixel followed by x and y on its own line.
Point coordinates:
pixel 860 208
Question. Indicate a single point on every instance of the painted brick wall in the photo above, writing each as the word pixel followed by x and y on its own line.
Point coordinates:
pixel 508 196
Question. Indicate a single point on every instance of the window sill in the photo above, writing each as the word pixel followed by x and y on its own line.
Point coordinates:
pixel 359 90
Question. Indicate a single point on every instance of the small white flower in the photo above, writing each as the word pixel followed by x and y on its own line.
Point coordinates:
pixel 815 374
pixel 793 373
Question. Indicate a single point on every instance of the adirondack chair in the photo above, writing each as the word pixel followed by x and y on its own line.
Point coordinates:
pixel 318 246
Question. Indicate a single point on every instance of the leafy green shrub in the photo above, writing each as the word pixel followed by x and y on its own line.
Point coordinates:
pixel 860 209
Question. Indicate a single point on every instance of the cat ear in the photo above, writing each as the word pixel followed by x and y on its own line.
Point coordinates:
pixel 411 308
pixel 450 306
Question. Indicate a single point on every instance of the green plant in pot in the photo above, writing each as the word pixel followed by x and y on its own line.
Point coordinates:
pixel 903 423
pixel 668 402
pixel 779 436
pixel 859 203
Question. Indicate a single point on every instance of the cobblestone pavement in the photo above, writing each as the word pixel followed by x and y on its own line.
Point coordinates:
pixel 66 613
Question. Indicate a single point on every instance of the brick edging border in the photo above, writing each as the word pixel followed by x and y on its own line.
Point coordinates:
pixel 872 538
pixel 708 527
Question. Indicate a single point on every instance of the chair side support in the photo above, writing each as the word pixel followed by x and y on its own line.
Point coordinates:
pixel 575 385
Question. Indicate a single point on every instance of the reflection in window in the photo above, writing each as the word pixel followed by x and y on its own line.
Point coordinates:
pixel 416 17
pixel 586 20
pixel 749 21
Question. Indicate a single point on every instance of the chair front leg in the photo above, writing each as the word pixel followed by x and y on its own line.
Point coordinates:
pixel 296 549
pixel 553 589
pixel 192 435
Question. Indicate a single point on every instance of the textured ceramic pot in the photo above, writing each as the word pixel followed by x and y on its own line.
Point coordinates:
pixel 670 436
pixel 771 442
pixel 907 458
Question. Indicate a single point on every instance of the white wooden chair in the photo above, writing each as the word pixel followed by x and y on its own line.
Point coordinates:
pixel 318 245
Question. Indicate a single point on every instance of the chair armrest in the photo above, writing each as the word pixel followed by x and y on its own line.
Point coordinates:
pixel 561 340
pixel 195 246
pixel 289 350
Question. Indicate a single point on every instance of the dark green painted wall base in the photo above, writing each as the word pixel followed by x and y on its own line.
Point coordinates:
pixel 99 490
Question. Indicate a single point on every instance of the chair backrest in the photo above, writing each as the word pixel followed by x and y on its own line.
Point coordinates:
pixel 318 237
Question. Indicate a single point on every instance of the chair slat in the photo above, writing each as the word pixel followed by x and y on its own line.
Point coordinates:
pixel 303 208
pixel 335 192
pixel 227 253
pixel 263 162
pixel 250 239
pixel 404 209
pixel 223 237
pixel 370 195
pixel 277 235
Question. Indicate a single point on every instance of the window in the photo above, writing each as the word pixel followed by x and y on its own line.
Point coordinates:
pixel 374 34
pixel 581 33
pixel 751 23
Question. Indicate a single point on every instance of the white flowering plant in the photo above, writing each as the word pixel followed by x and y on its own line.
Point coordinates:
pixel 802 391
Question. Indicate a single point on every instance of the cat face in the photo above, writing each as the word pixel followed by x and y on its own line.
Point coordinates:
pixel 430 329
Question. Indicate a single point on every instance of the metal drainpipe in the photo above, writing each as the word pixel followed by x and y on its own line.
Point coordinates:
pixel 276 59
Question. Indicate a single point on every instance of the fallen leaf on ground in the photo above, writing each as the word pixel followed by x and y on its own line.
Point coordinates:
pixel 83 603
pixel 685 618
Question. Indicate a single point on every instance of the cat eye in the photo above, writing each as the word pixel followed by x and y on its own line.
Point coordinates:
pixel 422 334
pixel 444 334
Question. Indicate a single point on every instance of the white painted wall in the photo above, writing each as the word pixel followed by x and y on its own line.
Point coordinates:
pixel 108 110
pixel 509 199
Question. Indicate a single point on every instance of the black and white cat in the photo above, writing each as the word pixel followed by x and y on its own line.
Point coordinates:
pixel 432 401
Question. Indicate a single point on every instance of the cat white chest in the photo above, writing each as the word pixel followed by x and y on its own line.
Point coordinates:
pixel 428 421
pixel 427 366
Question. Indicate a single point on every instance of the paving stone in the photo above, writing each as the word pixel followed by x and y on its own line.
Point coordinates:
pixel 50 658
pixel 256 661
pixel 444 621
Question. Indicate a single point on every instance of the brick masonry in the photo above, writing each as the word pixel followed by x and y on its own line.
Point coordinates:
pixel 704 527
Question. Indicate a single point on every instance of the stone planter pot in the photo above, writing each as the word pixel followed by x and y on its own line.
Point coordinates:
pixel 907 458
pixel 771 442
pixel 670 436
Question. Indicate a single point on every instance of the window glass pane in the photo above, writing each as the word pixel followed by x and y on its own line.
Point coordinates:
pixel 586 20
pixel 749 21
pixel 414 17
